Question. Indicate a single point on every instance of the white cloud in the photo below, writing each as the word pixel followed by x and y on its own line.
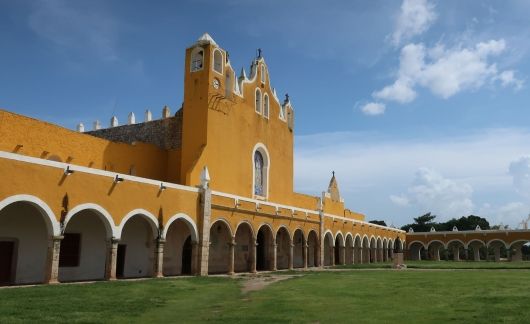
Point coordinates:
pixel 511 213
pixel 446 72
pixel 76 28
pixel 415 17
pixel 371 168
pixel 373 108
pixel 520 172
pixel 444 197
pixel 508 78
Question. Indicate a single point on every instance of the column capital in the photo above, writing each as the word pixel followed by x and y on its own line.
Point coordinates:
pixel 114 240
pixel 58 237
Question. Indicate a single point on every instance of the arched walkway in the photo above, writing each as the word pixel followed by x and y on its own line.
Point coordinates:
pixel 349 250
pixel 283 248
pixel 265 249
pixel 244 249
pixel 179 248
pixel 24 244
pixel 478 250
pixel 434 249
pixel 312 249
pixel 339 249
pixel 455 250
pixel 136 248
pixel 358 247
pixel 415 251
pixel 219 256
pixel 298 249
pixel 366 250
pixel 379 250
pixel 85 248
pixel 373 250
pixel 328 249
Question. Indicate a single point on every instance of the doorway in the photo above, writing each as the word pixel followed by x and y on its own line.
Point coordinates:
pixel 120 260
pixel 186 256
pixel 7 252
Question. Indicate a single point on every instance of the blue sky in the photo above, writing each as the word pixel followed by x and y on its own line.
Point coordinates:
pixel 418 105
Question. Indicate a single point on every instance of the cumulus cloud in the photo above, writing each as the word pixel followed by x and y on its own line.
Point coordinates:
pixel 431 191
pixel 507 78
pixel 373 108
pixel 415 17
pixel 446 71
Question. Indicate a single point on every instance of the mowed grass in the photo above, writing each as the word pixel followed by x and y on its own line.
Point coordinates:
pixel 362 296
pixel 443 265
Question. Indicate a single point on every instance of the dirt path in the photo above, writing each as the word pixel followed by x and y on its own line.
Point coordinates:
pixel 256 283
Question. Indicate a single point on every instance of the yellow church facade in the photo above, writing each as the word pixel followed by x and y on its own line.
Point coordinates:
pixel 206 190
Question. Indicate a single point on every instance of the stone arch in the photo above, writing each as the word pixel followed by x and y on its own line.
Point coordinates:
pixel 338 249
pixel 313 249
pixel 415 249
pixel 84 255
pixel 385 249
pixel 477 247
pixel 358 249
pixel 197 59
pixel 244 248
pixel 181 238
pixel 150 218
pixel 488 244
pixel 188 221
pixel 328 248
pixel 473 241
pixel 217 62
pixel 433 248
pixel 53 226
pixel 379 249
pixel 101 212
pixel 349 258
pixel 373 249
pixel 265 248
pixel 283 247
pixel 26 229
pixel 299 244
pixel 454 247
pixel 221 239
pixel 515 250
pixel 366 249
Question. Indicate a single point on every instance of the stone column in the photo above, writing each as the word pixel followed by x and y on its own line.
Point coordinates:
pixel 54 250
pixel 321 240
pixel 196 260
pixel 436 253
pixel 466 254
pixel 254 256
pixel 159 258
pixel 342 254
pixel 476 253
pixel 274 256
pixel 306 254
pixel 456 253
pixel 291 256
pixel 332 255
pixel 497 252
pixel 232 248
pixel 517 254
pixel 204 239
pixel 112 255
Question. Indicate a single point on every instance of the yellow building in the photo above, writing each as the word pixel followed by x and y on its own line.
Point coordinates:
pixel 207 190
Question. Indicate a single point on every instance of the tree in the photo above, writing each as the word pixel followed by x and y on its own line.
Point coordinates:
pixel 422 223
pixel 378 222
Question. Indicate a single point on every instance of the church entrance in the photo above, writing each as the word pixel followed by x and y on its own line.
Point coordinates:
pixel 7 251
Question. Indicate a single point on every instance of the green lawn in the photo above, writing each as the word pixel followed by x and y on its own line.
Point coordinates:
pixel 443 265
pixel 363 296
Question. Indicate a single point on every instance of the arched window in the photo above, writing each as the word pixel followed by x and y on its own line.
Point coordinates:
pixel 266 106
pixel 258 101
pixel 262 73
pixel 261 165
pixel 217 61
pixel 197 57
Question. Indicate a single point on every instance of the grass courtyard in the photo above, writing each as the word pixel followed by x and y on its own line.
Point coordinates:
pixel 357 295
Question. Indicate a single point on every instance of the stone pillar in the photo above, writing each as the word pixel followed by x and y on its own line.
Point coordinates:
pixel 342 255
pixel 321 240
pixel 159 258
pixel 204 239
pixel 254 256
pixel 306 254
pixel 517 254
pixel 466 254
pixel 291 256
pixel 332 255
pixel 497 252
pixel 476 253
pixel 456 253
pixel 436 253
pixel 112 255
pixel 274 256
pixel 196 260
pixel 54 250
pixel 232 253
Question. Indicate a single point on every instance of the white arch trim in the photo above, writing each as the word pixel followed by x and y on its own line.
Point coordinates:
pixel 506 245
pixel 367 240
pixel 224 221
pixel 474 240
pixel 343 241
pixel 330 235
pixel 286 229
pixel 187 220
pixel 104 215
pixel 455 240
pixel 54 228
pixel 150 218
pixel 301 230
pixel 413 242
pixel 438 241
pixel 254 235
pixel 350 235
pixel 518 241
pixel 309 233
pixel 266 225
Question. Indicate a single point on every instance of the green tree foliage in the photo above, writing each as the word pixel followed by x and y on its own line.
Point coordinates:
pixel 378 222
pixel 465 223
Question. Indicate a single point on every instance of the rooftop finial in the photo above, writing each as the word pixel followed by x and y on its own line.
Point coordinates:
pixel 333 173
pixel 259 52
pixel 148 115
pixel 286 98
